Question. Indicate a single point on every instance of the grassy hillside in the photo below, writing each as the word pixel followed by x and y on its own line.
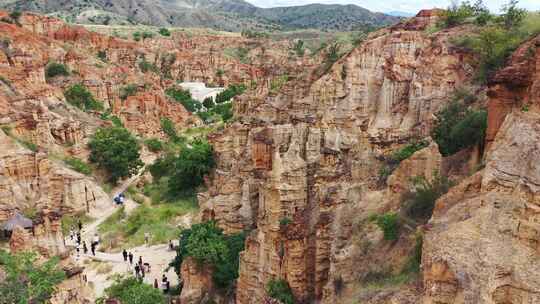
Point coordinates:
pixel 230 15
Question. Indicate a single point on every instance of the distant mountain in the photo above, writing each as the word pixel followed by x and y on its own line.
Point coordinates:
pixel 400 14
pixel 231 15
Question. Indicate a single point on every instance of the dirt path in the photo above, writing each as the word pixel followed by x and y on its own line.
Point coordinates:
pixel 100 268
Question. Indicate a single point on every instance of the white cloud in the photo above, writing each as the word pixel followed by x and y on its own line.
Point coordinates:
pixel 394 5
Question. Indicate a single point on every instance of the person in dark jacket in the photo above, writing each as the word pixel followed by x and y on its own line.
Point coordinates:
pixel 130 257
pixel 125 255
pixel 85 249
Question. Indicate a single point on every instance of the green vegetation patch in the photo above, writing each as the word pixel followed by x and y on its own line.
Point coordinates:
pixel 115 150
pixel 121 230
pixel 27 279
pixel 54 69
pixel 79 96
pixel 207 245
pixel 78 165
pixel 280 290
pixel 132 291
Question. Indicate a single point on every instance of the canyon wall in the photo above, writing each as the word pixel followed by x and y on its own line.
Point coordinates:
pixel 482 245
pixel 301 169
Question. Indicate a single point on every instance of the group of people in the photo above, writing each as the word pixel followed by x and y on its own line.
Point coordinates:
pixel 141 268
pixel 119 199
pixel 165 284
pixel 76 237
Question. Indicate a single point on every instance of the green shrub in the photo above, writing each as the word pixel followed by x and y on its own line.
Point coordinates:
pixel 79 96
pixel 78 165
pixel 280 290
pixel 163 166
pixel 389 224
pixel 115 150
pixel 154 144
pixel 102 54
pixel 299 48
pixel 116 121
pixel 208 102
pixel 137 36
pixel 164 32
pixel 184 97
pixel 277 83
pixel 458 128
pixel 147 34
pixel 191 165
pixel 128 90
pixel 415 260
pixel 229 93
pixel 15 15
pixel 27 279
pixel 168 128
pixel 512 16
pixel 457 14
pixel 207 245
pixel 132 291
pixel 146 66
pixel 54 69
pixel 284 221
pixel 419 204
pixel 408 150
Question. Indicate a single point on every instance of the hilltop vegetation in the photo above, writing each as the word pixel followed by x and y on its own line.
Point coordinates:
pixel 223 15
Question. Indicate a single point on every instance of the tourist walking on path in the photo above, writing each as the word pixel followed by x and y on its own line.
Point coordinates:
pixel 156 284
pixel 130 256
pixel 146 238
pixel 171 246
pixel 80 225
pixel 85 249
pixel 78 238
pixel 125 255
pixel 93 248
pixel 137 270
pixel 140 260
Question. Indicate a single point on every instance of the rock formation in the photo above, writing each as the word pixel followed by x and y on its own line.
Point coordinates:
pixel 301 168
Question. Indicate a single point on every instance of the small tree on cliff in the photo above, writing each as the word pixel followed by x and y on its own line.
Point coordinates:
pixel 27 280
pixel 115 150
pixel 191 165
pixel 131 291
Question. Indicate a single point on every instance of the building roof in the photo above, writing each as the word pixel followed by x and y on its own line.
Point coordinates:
pixel 17 220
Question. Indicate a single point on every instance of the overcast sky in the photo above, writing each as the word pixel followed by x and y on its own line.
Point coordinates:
pixel 411 6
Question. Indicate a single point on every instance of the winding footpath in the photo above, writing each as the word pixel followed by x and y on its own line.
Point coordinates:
pixel 100 268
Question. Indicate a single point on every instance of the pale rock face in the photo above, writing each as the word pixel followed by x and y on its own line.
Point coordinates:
pixel 309 156
pixel 482 245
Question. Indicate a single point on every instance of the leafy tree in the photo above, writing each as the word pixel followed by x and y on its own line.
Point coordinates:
pixel 79 96
pixel 457 14
pixel 54 69
pixel 458 128
pixel 389 224
pixel 132 291
pixel 191 165
pixel 299 48
pixel 162 166
pixel 280 290
pixel 26 279
pixel 168 128
pixel 154 144
pixel 207 245
pixel 208 102
pixel 164 32
pixel 115 150
pixel 184 97
pixel 408 150
pixel 512 16
pixel 102 54
pixel 419 203
pixel 229 93
pixel 137 36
